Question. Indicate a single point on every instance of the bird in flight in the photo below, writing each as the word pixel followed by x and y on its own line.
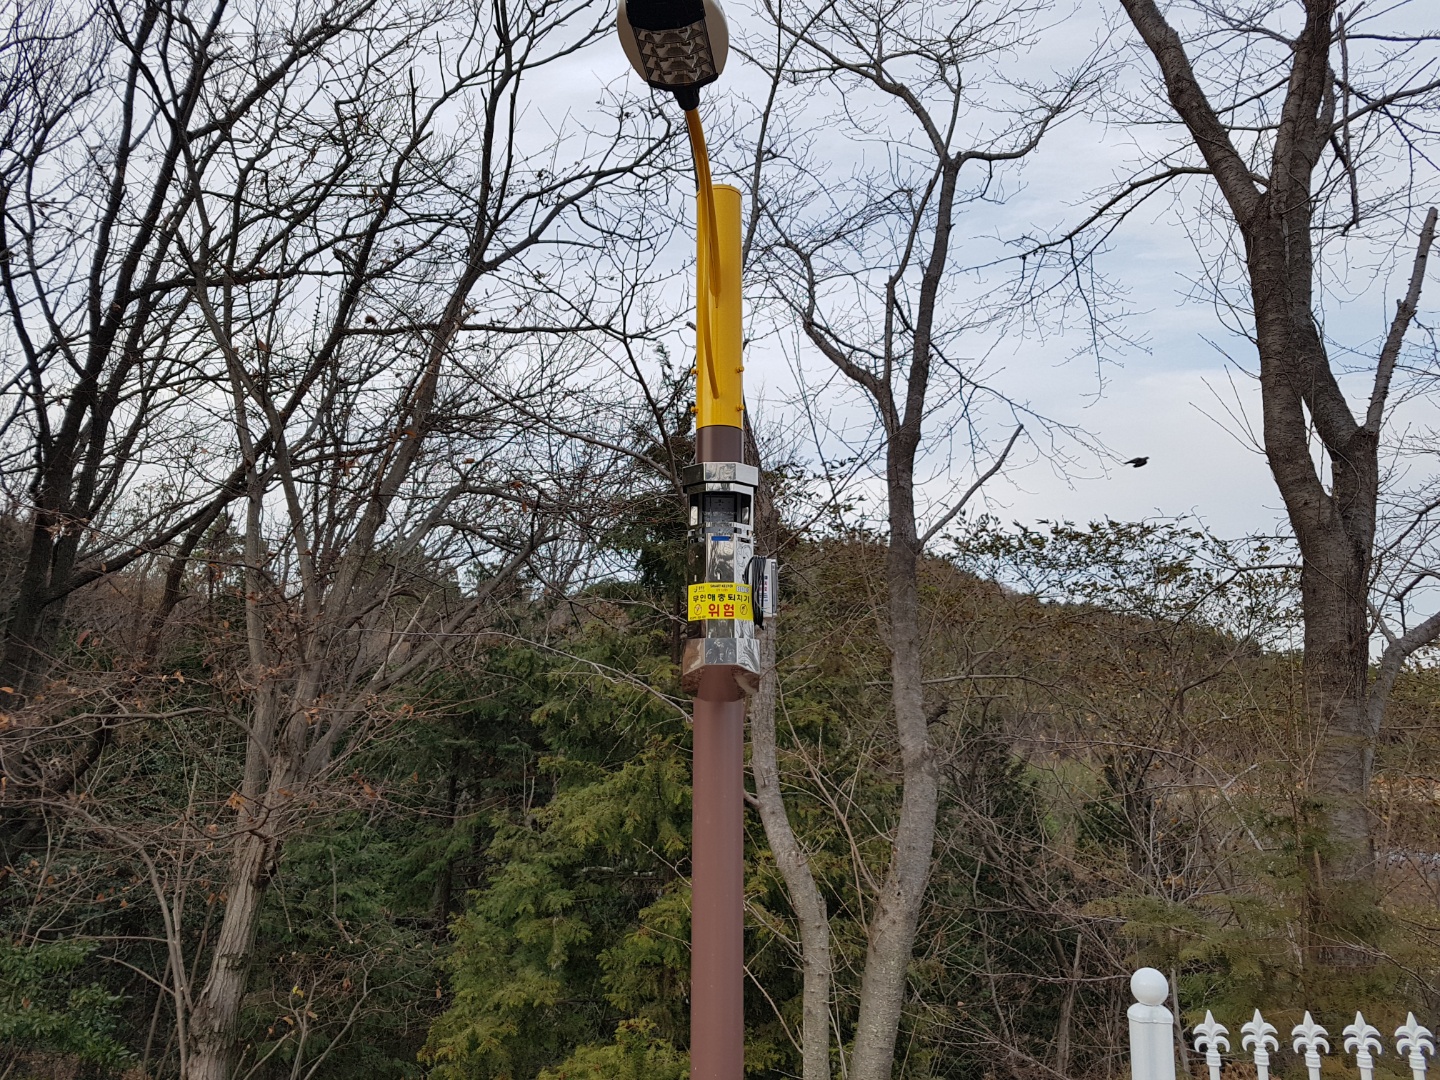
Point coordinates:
pixel 1136 461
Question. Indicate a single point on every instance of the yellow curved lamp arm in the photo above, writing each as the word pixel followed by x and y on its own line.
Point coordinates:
pixel 719 397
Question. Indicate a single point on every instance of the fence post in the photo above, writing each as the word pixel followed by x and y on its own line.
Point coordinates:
pixel 1152 1047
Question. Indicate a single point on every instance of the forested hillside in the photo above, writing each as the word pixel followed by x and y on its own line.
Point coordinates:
pixel 495 886
pixel 345 402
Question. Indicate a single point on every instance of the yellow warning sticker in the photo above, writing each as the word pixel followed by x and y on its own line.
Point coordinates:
pixel 720 600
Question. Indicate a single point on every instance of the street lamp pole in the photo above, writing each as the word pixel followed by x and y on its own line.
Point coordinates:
pixel 680 46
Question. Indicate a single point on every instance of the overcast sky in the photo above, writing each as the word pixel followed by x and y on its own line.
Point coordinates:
pixel 1174 399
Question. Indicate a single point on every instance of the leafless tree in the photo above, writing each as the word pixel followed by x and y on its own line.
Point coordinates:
pixel 357 296
pixel 866 265
pixel 117 118
pixel 1309 120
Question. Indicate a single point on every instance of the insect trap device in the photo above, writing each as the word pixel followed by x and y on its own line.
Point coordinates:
pixel 731 591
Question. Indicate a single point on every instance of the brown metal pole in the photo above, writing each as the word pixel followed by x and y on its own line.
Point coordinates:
pixel 720 646
pixel 717 853
pixel 717 919
pixel 719 442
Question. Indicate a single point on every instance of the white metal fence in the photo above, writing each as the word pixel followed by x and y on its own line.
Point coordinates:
pixel 1152 1038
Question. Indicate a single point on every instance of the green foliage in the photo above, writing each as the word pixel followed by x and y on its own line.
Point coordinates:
pixel 45 1007
pixel 582 922
pixel 636 1054
pixel 340 975
pixel 501 884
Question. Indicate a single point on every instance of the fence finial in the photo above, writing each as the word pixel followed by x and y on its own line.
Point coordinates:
pixel 1417 1041
pixel 1362 1040
pixel 1152 1045
pixel 1311 1036
pixel 1260 1036
pixel 1210 1040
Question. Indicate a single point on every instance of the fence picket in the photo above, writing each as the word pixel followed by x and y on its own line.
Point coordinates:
pixel 1311 1036
pixel 1412 1039
pixel 1261 1037
pixel 1210 1040
pixel 1363 1040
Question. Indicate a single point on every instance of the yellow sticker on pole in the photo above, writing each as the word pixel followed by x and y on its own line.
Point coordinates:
pixel 720 600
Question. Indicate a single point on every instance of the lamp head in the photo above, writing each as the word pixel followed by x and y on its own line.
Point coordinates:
pixel 675 45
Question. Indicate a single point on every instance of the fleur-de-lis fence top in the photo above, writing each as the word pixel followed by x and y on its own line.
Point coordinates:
pixel 1210 1040
pixel 1310 1037
pixel 1259 1036
pixel 1152 1039
pixel 1362 1040
pixel 1416 1041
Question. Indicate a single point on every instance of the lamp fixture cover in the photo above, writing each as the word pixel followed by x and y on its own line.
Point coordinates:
pixel 675 45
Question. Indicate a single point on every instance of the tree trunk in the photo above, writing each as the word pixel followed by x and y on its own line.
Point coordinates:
pixel 213 1023
pixel 790 857
pixel 1067 1005
pixel 1336 664
pixel 1301 398
pixel 1335 531
pixel 891 933
pixel 26 639
pixel 794 865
